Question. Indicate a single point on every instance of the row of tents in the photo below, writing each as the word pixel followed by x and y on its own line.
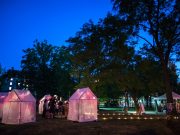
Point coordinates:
pixel 19 106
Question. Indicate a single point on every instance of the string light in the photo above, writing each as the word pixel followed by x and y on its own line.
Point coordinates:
pixel 150 118
pixel 104 118
pixel 131 118
pixel 134 116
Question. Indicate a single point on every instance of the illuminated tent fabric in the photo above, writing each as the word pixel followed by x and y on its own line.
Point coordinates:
pixel 19 107
pixel 82 106
pixel 3 95
pixel 175 96
pixel 41 102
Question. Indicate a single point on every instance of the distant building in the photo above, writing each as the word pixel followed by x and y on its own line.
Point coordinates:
pixel 9 84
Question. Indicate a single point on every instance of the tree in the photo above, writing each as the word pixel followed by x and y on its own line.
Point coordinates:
pixel 35 66
pixel 160 18
pixel 60 66
pixel 46 69
pixel 100 54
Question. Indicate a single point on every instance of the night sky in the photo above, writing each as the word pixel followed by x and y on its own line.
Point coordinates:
pixel 23 21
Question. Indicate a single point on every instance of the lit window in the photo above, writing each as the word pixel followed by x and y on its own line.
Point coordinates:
pixel 10 83
pixel 10 88
pixel 11 79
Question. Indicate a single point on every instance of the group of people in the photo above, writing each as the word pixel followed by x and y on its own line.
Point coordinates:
pixel 54 107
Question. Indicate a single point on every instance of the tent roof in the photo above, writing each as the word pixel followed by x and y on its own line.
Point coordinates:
pixel 175 96
pixel 3 95
pixel 20 95
pixel 78 94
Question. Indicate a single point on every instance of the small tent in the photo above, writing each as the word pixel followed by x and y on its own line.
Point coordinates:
pixel 175 97
pixel 163 97
pixel 19 107
pixel 82 106
pixel 3 95
pixel 41 102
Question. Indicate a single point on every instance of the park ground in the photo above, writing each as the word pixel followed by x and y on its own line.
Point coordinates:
pixel 103 126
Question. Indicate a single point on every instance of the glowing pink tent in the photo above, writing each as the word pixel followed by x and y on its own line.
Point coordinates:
pixel 41 102
pixel 19 107
pixel 175 96
pixel 3 95
pixel 82 106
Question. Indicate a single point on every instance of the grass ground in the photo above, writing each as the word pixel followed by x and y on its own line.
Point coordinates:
pixel 101 127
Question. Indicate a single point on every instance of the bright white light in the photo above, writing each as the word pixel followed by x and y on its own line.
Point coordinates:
pixel 94 97
pixel 10 83
pixel 11 79
pixel 19 84
pixel 10 88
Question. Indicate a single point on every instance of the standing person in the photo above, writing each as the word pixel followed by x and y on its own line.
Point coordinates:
pixel 45 108
pixel 52 107
pixel 141 108
pixel 66 107
pixel 60 107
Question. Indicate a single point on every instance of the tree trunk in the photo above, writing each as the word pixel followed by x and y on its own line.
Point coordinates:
pixel 147 101
pixel 150 102
pixel 171 108
pixel 126 100
pixel 135 99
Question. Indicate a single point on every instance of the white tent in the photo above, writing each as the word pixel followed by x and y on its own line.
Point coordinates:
pixel 82 106
pixel 19 107
pixel 163 97
pixel 41 102
pixel 3 95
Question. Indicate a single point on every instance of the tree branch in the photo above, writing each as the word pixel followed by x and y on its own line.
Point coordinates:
pixel 152 46
pixel 145 26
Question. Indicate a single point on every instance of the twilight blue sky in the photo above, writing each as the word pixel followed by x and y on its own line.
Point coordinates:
pixel 23 21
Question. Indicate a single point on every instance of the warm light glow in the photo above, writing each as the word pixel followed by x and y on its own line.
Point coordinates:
pixel 104 118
